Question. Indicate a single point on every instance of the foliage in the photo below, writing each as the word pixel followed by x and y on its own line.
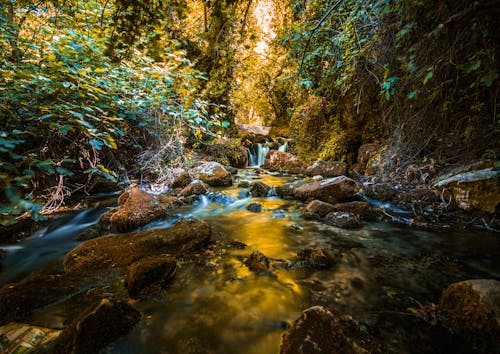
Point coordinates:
pixel 426 69
pixel 70 113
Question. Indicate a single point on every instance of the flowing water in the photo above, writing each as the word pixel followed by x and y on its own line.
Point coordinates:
pixel 217 305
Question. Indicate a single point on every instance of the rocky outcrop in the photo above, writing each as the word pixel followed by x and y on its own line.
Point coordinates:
pixel 259 189
pixel 257 262
pixel 284 161
pixel 327 169
pixel 185 236
pixel 196 187
pixel 317 209
pixel 472 191
pixel 317 330
pixel 150 272
pixel 95 328
pixel 137 208
pixel 332 190
pixel 471 309
pixel 213 174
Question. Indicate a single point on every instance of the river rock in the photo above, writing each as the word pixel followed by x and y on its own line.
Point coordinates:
pixel 318 256
pixel 148 272
pixel 185 236
pixel 181 181
pixel 379 191
pixel 257 262
pixel 317 209
pixel 213 174
pixel 137 208
pixel 331 190
pixel 471 308
pixel 283 161
pixel 254 207
pixel 327 168
pixel 196 187
pixel 472 191
pixel 317 330
pixel 363 209
pixel 343 220
pixel 259 189
pixel 286 191
pixel 96 327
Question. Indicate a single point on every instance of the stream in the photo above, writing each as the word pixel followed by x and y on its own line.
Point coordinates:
pixel 220 306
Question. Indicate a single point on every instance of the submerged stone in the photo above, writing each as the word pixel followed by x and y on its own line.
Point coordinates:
pixel 254 207
pixel 187 235
pixel 196 187
pixel 22 338
pixel 257 262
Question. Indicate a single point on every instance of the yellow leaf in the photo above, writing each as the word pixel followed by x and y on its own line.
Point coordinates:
pixel 100 70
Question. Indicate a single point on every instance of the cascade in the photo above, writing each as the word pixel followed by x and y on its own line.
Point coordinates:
pixel 257 155
pixel 284 147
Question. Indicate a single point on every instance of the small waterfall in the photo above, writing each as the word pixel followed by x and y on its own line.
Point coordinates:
pixel 284 147
pixel 257 155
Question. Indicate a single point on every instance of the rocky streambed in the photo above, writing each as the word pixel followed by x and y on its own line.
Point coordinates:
pixel 248 261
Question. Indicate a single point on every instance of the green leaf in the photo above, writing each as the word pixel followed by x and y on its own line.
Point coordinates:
pixel 63 171
pixel 46 165
pixel 225 124
pixel 412 94
pixel 429 76
pixel 97 144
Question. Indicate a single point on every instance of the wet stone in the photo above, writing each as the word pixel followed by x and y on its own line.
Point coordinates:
pixel 343 220
pixel 96 327
pixel 254 207
pixel 318 257
pixel 259 189
pixel 148 273
pixel 257 262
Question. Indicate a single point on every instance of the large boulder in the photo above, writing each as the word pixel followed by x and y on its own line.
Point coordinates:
pixel 137 207
pixel 331 190
pixel 149 272
pixel 185 236
pixel 181 181
pixel 96 327
pixel 327 169
pixel 471 308
pixel 213 174
pixel 317 209
pixel 472 191
pixel 363 209
pixel 286 191
pixel 283 161
pixel 317 330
